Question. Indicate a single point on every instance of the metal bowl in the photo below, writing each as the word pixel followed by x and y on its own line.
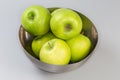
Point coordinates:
pixel 26 39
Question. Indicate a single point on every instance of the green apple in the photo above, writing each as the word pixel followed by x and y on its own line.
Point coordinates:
pixel 65 23
pixel 38 42
pixel 35 20
pixel 80 47
pixel 56 52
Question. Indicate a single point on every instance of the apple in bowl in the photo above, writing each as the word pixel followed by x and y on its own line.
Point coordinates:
pixel 55 51
pixel 35 20
pixel 80 47
pixel 65 23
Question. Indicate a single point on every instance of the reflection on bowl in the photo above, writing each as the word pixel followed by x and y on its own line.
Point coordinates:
pixel 26 39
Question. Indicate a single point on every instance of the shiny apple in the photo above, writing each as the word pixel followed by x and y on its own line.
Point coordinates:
pixel 35 20
pixel 65 23
pixel 56 52
pixel 80 47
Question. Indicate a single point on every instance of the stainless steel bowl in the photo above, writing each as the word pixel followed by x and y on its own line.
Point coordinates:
pixel 26 39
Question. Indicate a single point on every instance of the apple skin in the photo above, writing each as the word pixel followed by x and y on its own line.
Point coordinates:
pixel 38 42
pixel 80 47
pixel 35 20
pixel 65 23
pixel 56 52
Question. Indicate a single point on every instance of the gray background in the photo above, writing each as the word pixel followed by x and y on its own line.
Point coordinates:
pixel 104 63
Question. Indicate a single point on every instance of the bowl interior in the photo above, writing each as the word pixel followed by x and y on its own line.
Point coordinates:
pixel 88 29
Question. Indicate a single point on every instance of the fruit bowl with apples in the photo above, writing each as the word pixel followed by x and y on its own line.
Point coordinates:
pixel 57 39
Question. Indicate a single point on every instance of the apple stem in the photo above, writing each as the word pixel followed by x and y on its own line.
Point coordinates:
pixel 31 17
pixel 50 45
pixel 68 28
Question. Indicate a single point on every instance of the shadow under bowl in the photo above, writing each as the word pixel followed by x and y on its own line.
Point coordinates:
pixel 88 30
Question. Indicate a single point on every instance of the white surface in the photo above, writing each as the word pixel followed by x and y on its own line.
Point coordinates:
pixel 103 65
